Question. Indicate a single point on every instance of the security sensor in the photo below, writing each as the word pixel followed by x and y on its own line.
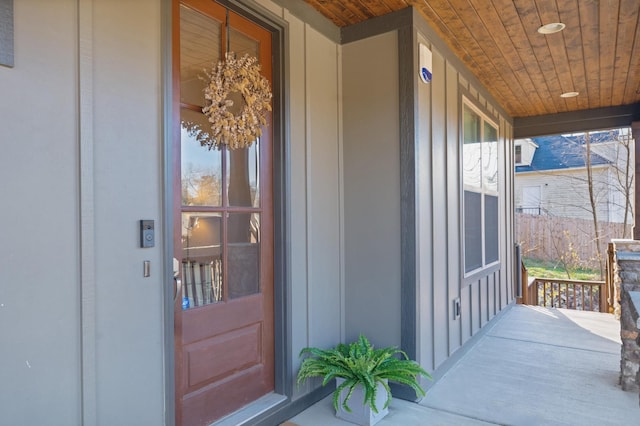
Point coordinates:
pixel 425 64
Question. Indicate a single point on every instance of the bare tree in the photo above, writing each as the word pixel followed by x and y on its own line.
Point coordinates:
pixel 592 200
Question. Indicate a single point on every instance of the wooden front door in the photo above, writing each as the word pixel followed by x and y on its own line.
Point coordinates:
pixel 224 338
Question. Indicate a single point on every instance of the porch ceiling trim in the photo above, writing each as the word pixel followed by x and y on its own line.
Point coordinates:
pixel 576 121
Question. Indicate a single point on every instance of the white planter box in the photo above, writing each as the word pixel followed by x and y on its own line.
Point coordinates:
pixel 362 414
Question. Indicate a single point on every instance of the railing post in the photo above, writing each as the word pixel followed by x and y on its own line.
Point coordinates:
pixel 603 298
pixel 525 285
pixel 609 277
pixel 520 274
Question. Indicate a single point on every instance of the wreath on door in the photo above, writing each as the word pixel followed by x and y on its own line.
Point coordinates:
pixel 239 98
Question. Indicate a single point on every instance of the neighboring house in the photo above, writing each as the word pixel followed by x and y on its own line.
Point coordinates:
pixel 551 176
pixel 374 203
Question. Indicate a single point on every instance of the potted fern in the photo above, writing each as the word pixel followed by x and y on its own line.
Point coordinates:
pixel 362 374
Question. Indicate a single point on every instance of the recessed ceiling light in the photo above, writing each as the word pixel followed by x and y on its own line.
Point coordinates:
pixel 569 94
pixel 554 27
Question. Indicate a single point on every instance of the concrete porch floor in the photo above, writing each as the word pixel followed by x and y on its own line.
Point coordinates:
pixel 534 366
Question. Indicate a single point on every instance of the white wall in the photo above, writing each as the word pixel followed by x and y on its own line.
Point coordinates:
pixel 39 248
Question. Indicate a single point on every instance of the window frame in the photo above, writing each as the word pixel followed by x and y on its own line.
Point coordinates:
pixel 482 190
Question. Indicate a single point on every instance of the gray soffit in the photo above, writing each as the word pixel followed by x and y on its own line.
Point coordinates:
pixel 311 16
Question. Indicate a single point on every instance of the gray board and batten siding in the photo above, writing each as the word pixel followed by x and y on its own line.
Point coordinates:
pixel 404 261
pixel 102 322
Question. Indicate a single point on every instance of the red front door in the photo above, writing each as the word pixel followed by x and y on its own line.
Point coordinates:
pixel 223 219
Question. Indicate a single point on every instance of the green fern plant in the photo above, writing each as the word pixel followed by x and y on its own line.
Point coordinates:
pixel 360 363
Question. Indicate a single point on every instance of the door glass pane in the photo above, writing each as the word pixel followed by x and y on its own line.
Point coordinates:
pixel 243 253
pixel 201 167
pixel 241 44
pixel 200 45
pixel 201 259
pixel 243 177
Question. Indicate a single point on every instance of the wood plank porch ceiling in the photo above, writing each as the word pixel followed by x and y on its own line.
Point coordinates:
pixel 597 55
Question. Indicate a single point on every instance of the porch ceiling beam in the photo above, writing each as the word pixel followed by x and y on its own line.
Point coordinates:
pixel 576 121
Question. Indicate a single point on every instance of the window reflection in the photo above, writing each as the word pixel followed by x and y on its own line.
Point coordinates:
pixel 472 148
pixel 198 33
pixel 244 254
pixel 481 199
pixel 201 259
pixel 201 167
pixel 220 195
pixel 243 177
pixel 490 157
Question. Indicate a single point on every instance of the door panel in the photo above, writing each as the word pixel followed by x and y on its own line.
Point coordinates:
pixel 221 319
pixel 215 358
pixel 224 230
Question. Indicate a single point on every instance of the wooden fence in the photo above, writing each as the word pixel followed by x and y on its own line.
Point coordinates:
pixel 549 237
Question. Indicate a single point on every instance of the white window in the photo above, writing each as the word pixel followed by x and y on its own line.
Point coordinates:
pixel 518 154
pixel 480 180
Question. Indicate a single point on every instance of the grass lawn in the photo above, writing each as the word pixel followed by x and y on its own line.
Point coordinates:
pixel 547 269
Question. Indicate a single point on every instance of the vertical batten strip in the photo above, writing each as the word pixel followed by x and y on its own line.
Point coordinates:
pixel 296 176
pixel 6 33
pixel 307 186
pixel 408 279
pixel 167 216
pixel 341 231
pixel 87 216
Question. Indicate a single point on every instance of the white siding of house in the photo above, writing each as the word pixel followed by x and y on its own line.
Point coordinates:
pixel 617 198
pixel 565 193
